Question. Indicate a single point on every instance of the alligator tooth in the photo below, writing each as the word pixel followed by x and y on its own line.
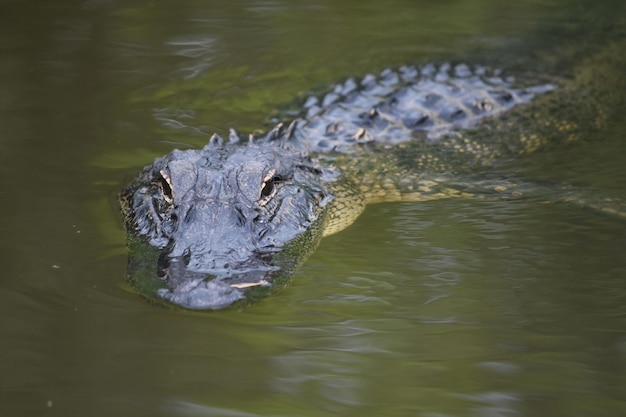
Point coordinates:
pixel 245 285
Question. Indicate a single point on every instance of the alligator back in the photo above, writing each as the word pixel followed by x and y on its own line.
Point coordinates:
pixel 233 220
pixel 425 102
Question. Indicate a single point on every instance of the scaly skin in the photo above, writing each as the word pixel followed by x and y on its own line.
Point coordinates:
pixel 231 222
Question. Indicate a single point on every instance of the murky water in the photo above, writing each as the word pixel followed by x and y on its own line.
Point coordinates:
pixel 447 308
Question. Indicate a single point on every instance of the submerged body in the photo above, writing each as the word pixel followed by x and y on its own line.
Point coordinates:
pixel 231 221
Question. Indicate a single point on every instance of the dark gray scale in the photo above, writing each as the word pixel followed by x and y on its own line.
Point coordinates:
pixel 312 107
pixel 462 71
pixel 453 114
pixel 443 74
pixel 418 122
pixel 334 129
pixel 310 102
pixel 377 87
pixel 338 112
pixel 389 77
pixel 329 99
pixel 495 81
pixel 433 101
pixel 357 99
pixel 408 73
pixel 372 120
pixel 379 90
pixel 397 104
pixel 503 98
pixel 348 87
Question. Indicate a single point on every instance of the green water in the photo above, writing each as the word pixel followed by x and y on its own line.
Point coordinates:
pixel 446 308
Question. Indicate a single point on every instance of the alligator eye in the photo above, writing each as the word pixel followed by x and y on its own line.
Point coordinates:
pixel 268 189
pixel 166 186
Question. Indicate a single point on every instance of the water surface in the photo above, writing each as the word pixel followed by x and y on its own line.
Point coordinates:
pixel 446 308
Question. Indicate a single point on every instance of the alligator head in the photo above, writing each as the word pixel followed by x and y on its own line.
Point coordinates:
pixel 219 217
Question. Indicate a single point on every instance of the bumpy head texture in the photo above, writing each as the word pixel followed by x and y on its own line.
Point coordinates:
pixel 220 214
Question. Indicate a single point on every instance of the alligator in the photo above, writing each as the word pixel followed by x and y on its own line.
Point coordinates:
pixel 230 223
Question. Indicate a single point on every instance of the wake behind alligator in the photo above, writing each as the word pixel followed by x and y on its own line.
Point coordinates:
pixel 230 223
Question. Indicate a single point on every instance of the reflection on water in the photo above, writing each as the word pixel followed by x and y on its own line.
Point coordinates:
pixel 496 334
pixel 200 50
pixel 450 308
pixel 187 409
